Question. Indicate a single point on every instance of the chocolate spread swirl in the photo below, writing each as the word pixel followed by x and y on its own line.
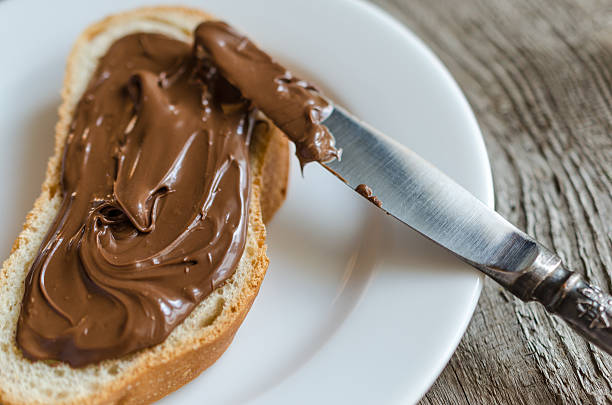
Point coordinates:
pixel 155 188
pixel 294 105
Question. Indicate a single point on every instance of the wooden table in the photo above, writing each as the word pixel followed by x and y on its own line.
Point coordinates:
pixel 538 75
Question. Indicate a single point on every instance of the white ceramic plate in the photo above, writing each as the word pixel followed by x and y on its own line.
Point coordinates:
pixel 355 308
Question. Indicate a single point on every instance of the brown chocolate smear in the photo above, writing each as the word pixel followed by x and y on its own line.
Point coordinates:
pixel 155 187
pixel 366 191
pixel 294 105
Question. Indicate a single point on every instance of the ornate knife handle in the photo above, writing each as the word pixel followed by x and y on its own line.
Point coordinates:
pixel 585 307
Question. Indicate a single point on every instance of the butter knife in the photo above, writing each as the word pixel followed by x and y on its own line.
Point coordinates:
pixel 422 197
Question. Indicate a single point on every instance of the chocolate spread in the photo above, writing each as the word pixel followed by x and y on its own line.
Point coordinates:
pixel 366 191
pixel 294 105
pixel 155 187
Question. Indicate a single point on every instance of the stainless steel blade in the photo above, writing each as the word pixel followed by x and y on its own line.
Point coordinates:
pixel 421 196
pixel 424 198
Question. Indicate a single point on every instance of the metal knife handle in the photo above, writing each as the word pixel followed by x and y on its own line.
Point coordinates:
pixel 585 307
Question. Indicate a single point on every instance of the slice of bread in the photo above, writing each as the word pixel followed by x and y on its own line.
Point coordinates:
pixel 194 345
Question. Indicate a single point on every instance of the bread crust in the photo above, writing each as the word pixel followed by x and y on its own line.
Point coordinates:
pixel 275 175
pixel 157 376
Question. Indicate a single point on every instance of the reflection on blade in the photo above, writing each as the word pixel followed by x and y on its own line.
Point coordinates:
pixel 421 196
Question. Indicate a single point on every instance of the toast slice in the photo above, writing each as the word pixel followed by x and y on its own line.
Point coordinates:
pixel 152 373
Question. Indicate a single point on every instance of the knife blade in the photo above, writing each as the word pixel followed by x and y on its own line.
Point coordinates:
pixel 418 194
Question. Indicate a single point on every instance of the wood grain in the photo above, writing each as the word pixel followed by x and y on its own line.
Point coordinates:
pixel 538 76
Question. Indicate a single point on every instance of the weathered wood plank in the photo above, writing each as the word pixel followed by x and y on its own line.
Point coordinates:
pixel 537 74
